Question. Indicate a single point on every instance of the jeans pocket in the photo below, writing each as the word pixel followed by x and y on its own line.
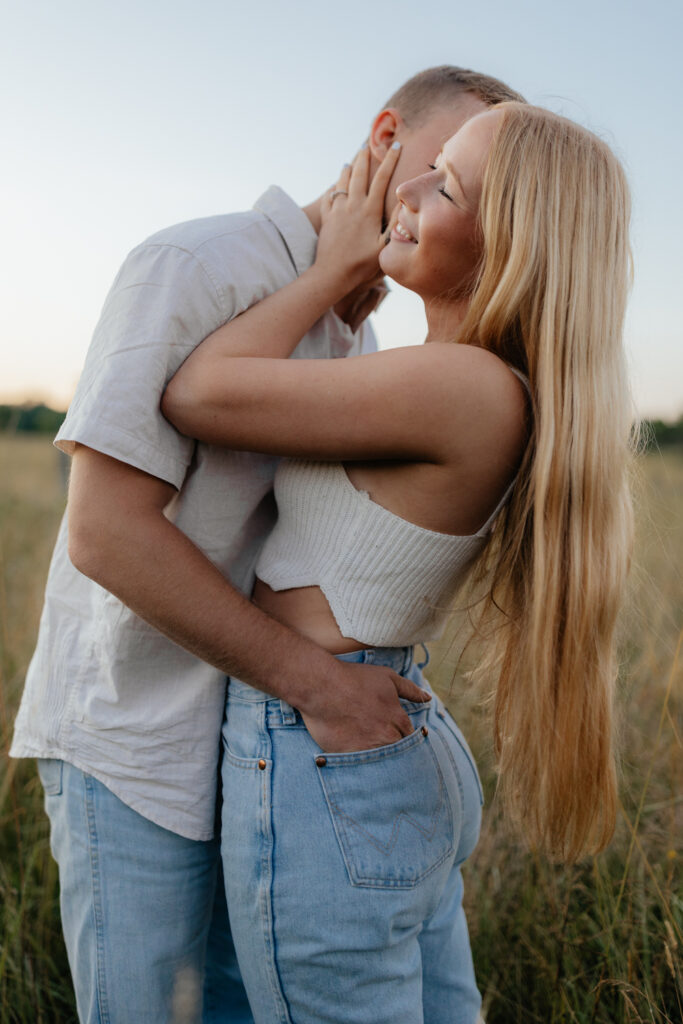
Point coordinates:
pixel 50 772
pixel 412 707
pixel 390 810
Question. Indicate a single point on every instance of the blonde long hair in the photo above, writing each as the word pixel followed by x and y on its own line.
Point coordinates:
pixel 550 300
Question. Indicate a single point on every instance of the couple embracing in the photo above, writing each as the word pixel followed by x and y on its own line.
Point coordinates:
pixel 201 641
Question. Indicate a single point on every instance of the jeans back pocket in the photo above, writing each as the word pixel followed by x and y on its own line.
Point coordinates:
pixel 391 811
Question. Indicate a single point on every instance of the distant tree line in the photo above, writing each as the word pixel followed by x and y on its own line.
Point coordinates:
pixel 660 434
pixel 31 419
pixel 41 419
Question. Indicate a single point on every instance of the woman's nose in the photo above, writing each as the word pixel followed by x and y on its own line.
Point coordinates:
pixel 404 193
pixel 408 192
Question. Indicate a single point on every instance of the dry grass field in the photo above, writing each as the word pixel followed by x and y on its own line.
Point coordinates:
pixel 599 942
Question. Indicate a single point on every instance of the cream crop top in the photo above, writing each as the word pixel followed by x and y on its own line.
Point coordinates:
pixel 388 581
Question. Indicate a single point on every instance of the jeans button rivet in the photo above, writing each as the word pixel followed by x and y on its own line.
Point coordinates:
pixel 424 730
pixel 262 765
pixel 321 761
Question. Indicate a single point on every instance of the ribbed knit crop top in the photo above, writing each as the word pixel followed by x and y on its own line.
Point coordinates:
pixel 387 581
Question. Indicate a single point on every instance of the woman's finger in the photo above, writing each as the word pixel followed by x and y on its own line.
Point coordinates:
pixel 340 188
pixel 343 179
pixel 382 177
pixel 360 174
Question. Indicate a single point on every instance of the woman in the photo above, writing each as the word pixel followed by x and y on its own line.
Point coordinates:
pixel 343 869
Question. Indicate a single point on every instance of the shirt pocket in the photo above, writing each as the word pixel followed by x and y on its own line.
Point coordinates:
pixel 390 810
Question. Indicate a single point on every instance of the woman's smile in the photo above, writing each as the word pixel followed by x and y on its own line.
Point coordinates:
pixel 401 234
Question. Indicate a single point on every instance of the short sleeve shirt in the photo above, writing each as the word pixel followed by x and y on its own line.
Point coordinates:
pixel 106 691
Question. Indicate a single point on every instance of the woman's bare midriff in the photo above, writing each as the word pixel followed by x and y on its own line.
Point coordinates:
pixel 305 609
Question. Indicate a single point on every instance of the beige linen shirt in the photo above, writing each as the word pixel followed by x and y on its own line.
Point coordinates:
pixel 105 691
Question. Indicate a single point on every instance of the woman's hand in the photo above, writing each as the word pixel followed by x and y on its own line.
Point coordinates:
pixel 351 237
pixel 210 386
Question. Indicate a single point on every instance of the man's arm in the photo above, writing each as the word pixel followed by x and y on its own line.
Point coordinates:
pixel 120 538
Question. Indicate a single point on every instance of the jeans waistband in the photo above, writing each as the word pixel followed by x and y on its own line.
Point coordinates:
pixel 399 659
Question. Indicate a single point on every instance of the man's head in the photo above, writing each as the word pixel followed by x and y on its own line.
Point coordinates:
pixel 421 115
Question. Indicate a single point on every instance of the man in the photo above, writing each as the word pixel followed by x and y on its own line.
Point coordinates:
pixel 145 613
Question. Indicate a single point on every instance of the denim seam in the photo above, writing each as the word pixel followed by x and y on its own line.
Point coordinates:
pixel 461 789
pixel 443 713
pixel 266 893
pixel 102 1007
pixel 456 772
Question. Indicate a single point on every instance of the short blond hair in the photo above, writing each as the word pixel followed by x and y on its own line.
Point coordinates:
pixel 440 86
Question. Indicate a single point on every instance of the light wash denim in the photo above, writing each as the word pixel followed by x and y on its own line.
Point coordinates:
pixel 343 870
pixel 140 907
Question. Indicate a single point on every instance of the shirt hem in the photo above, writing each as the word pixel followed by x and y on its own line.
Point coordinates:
pixel 22 749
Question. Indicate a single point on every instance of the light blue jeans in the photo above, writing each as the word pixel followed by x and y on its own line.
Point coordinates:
pixel 342 871
pixel 143 911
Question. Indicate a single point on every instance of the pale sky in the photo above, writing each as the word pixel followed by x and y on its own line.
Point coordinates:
pixel 121 118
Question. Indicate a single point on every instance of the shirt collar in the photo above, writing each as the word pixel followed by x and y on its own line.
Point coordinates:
pixel 292 224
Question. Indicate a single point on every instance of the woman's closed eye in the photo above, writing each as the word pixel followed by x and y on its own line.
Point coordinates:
pixel 443 191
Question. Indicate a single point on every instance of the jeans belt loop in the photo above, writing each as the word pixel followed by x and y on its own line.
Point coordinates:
pixel 288 713
pixel 423 664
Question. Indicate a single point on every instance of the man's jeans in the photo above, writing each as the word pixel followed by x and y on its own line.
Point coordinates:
pixel 143 911
pixel 343 870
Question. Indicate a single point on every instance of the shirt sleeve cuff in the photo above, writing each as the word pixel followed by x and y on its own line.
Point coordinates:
pixel 119 444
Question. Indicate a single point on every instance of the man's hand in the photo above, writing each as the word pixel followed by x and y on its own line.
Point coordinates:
pixel 359 709
pixel 120 537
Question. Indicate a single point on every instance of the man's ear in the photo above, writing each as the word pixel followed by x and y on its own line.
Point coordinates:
pixel 385 129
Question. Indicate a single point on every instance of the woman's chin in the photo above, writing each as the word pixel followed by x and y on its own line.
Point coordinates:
pixel 391 268
pixel 389 265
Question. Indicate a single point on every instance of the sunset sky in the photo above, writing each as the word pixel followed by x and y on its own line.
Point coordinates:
pixel 119 119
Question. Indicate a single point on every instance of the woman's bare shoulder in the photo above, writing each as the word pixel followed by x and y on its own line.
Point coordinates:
pixel 477 395
pixel 477 365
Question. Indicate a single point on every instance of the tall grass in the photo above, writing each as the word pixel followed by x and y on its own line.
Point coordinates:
pixel 600 942
pixel 34 975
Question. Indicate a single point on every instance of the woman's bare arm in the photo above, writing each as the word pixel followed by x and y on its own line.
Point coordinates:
pixel 421 403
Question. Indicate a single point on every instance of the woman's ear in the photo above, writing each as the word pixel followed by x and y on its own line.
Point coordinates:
pixel 385 129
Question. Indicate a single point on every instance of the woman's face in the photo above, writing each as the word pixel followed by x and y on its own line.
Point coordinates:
pixel 435 247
